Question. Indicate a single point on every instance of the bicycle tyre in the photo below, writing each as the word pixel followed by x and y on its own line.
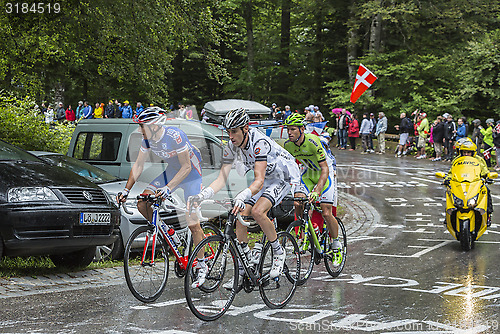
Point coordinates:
pixel 306 251
pixel 276 293
pixel 211 300
pixel 145 281
pixel 335 270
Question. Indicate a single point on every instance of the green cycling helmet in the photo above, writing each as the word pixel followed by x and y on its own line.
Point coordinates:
pixel 294 120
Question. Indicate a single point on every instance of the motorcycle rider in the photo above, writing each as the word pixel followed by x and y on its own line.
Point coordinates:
pixel 466 147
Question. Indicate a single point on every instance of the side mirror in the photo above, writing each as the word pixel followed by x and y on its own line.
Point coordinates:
pixel 492 175
pixel 440 175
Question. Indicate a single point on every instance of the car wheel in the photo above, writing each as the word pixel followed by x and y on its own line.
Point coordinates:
pixel 81 258
pixel 110 252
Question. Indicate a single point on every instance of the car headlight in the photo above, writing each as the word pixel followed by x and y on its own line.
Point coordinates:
pixel 31 194
pixel 458 202
pixel 472 202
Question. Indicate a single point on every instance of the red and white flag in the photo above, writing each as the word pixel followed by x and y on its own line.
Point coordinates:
pixel 364 79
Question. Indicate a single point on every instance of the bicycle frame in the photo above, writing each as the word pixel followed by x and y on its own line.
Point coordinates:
pixel 230 235
pixel 159 225
pixel 306 219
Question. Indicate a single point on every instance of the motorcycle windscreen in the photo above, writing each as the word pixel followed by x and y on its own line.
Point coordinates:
pixel 465 169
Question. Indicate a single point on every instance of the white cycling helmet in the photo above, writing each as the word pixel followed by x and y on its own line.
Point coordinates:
pixel 151 115
pixel 236 118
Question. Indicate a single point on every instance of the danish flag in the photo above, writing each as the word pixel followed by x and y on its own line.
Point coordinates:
pixel 364 79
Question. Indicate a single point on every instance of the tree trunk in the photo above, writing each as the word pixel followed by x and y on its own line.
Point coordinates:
pixel 247 16
pixel 375 33
pixel 284 79
pixel 318 58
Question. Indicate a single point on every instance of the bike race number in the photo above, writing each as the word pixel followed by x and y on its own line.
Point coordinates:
pixel 95 218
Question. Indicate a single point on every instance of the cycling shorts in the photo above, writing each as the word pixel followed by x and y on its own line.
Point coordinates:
pixel 329 194
pixel 190 185
pixel 273 189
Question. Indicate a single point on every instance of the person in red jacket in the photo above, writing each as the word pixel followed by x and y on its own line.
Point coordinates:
pixel 70 114
pixel 353 132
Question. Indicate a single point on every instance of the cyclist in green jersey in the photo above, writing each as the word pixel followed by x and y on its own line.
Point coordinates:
pixel 318 174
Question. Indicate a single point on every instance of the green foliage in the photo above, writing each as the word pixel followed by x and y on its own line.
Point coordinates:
pixel 23 125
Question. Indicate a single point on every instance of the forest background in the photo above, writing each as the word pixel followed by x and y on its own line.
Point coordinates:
pixel 438 56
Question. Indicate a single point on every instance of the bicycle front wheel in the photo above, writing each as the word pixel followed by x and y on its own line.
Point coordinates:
pixel 277 292
pixel 335 259
pixel 146 272
pixel 306 251
pixel 211 300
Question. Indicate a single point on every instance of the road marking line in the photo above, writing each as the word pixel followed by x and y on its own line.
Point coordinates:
pixel 375 171
pixel 422 179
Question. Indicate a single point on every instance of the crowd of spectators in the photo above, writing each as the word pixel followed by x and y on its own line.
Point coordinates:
pixel 113 109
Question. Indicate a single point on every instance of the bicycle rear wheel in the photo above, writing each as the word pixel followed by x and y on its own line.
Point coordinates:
pixel 211 300
pixel 145 279
pixel 277 292
pixel 335 260
pixel 306 251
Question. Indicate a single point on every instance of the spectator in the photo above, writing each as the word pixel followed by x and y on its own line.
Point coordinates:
pixel 288 112
pixel 496 142
pixel 109 111
pixel 43 109
pixel 79 110
pixel 438 137
pixel 477 136
pixel 49 115
pixel 126 110
pixel 353 132
pixel 309 114
pixel 70 114
pixel 404 129
pixel 423 133
pixel 118 109
pixel 272 114
pixel 365 130
pixel 461 129
pixel 139 109
pixel 343 127
pixel 61 113
pixel 380 132
pixel 450 132
pixel 488 140
pixel 182 111
pixel 98 112
pixel 373 120
pixel 87 111
pixel 318 116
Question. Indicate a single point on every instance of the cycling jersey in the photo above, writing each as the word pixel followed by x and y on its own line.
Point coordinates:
pixel 282 172
pixel 310 154
pixel 259 147
pixel 172 142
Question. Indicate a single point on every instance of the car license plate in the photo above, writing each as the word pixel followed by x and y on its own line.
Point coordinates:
pixel 95 218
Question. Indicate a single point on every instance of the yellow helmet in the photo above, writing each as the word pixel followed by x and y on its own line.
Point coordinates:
pixel 467 145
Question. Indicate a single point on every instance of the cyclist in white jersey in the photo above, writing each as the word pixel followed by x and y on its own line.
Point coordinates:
pixel 275 172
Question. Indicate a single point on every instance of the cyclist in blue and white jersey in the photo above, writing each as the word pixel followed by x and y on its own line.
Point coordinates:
pixel 172 145
pixel 275 172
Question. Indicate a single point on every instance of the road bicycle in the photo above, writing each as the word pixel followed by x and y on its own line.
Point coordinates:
pixel 212 299
pixel 146 256
pixel 313 247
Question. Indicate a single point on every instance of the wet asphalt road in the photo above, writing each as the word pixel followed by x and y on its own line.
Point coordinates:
pixel 404 274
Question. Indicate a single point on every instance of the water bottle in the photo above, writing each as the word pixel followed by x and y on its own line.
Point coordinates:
pixel 316 229
pixel 173 235
pixel 256 251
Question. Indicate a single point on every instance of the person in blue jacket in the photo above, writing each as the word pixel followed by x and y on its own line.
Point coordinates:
pixel 461 129
pixel 126 110
pixel 87 111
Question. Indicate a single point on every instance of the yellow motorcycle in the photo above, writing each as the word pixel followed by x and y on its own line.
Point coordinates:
pixel 466 200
